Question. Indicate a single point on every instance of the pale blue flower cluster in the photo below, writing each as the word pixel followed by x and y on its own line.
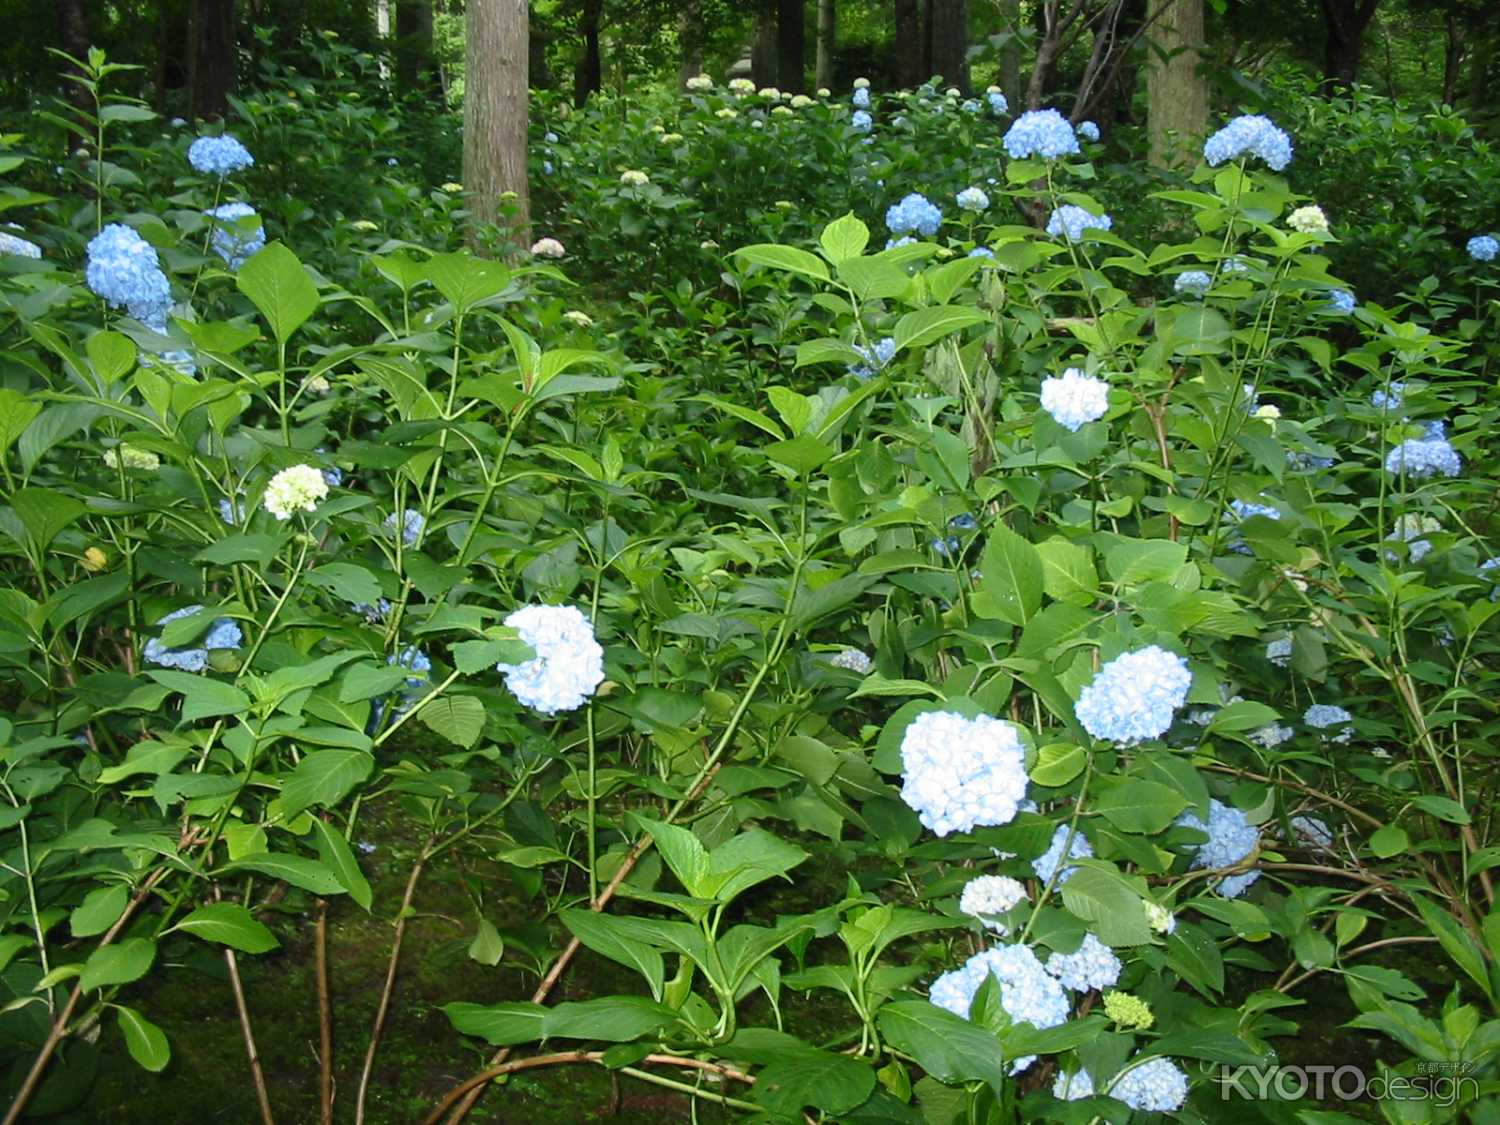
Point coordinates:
pixel 1157 1085
pixel 1045 864
pixel 1279 652
pixel 914 213
pixel 946 547
pixel 970 106
pixel 1194 283
pixel 374 613
pixel 1411 529
pixel 1074 399
pixel 1389 398
pixel 123 269
pixel 904 240
pixel 568 666
pixel 876 356
pixel 972 199
pixel 861 121
pixel 228 241
pixel 1092 965
pixel 411 525
pixel 862 98
pixel 1241 510
pixel 1027 993
pixel 1341 300
pixel 1249 135
pixel 1424 457
pixel 991 895
pixel 224 633
pixel 219 156
pixel 1088 131
pixel 1134 696
pixel 982 252
pixel 1072 1087
pixel 20 247
pixel 1231 838
pixel 1071 221
pixel 852 660
pixel 963 522
pixel 960 773
pixel 998 105
pixel 1483 247
pixel 417 661
pixel 1328 717
pixel 1040 132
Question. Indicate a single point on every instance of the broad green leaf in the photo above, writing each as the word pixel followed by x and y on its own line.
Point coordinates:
pixel 845 237
pixel 278 285
pixel 946 1046
pixel 112 354
pixel 1057 764
pixel 339 858
pixel 297 870
pixel 1137 561
pixel 203 697
pixel 599 933
pixel 486 948
pixel 354 584
pixel 1068 573
pixel 612 1019
pixel 1011 577
pixel 465 280
pixel 923 326
pixel 1114 912
pixel 1134 805
pixel 458 718
pixel 119 963
pixel 229 923
pixel 145 1041
pixel 786 258
pixel 324 777
pixel 801 454
pixel 100 909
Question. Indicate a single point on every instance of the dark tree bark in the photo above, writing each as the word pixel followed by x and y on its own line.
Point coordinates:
pixel 1453 58
pixel 909 54
pixel 691 35
pixel 215 58
pixel 588 76
pixel 414 69
pixel 1479 71
pixel 496 70
pixel 73 34
pixel 1176 91
pixel 1108 85
pixel 950 42
pixel 1010 52
pixel 1344 22
pixel 791 45
pixel 763 61
pixel 828 25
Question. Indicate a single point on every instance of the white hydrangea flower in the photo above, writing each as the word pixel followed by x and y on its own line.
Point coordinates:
pixel 1162 920
pixel 991 894
pixel 295 489
pixel 547 248
pixel 579 318
pixel 851 659
pixel 1075 398
pixel 569 664
pixel 1092 965
pixel 960 773
pixel 633 178
pixel 1308 220
pixel 132 458
pixel 700 82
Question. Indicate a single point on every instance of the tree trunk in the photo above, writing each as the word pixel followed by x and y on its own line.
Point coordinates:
pixel 73 33
pixel 1108 83
pixel 1479 72
pixel 1344 41
pixel 1453 59
pixel 828 23
pixel 950 42
pixel 909 60
pixel 214 59
pixel 588 76
pixel 763 54
pixel 383 37
pixel 1010 52
pixel 496 65
pixel 1176 93
pixel 791 45
pixel 690 35
pixel 414 69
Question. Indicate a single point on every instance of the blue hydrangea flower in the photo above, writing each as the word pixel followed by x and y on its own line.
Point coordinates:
pixel 1341 300
pixel 1072 1087
pixel 228 241
pixel 416 660
pixel 970 106
pixel 1088 130
pixel 373 614
pixel 1279 652
pixel 1134 696
pixel 946 548
pixel 1483 247
pixel 1074 398
pixel 1040 132
pixel 964 522
pixel 862 98
pixel 1249 135
pixel 219 156
pixel 1093 965
pixel 1194 283
pixel 914 213
pixel 568 666
pixel 1298 459
pixel 960 773
pixel 972 199
pixel 1421 458
pixel 1490 569
pixel 411 526
pixel 1410 529
pixel 1072 221
pixel 876 356
pixel 20 247
pixel 861 122
pixel 123 269
pixel 998 105
pixel 550 137
pixel 1045 864
pixel 904 240
pixel 1027 993
pixel 1231 838
pixel 1389 398
pixel 981 252
pixel 1328 717
pixel 230 511
pixel 546 167
pixel 224 633
pixel 1157 1085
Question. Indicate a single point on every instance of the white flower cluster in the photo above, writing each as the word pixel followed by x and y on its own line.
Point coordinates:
pixel 1308 220
pixel 1279 652
pixel 568 666
pixel 1092 965
pixel 131 457
pixel 1312 832
pixel 959 773
pixel 852 660
pixel 1160 919
pixel 1075 398
pixel 990 895
pixel 547 248
pixel 1134 696
pixel 295 489
pixel 1409 529
pixel 1027 993
pixel 699 82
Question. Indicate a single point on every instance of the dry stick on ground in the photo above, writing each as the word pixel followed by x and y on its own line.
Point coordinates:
pixel 390 982
pixel 325 1021
pixel 261 1093
pixel 566 1057
pixel 60 1024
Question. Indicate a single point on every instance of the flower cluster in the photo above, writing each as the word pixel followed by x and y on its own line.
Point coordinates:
pixel 972 199
pixel 960 773
pixel 1044 865
pixel 1326 717
pixel 1128 1011
pixel 699 82
pixel 1390 397
pixel 1424 457
pixel 1308 220
pixel 1159 918
pixel 10 244
pixel 1483 247
pixel 741 86
pixel 1134 696
pixel 861 98
pixel 228 240
pixel 914 213
pixel 876 356
pixel 862 122
pixel 219 156
pixel 1249 135
pixel 411 526
pixel 123 269
pixel 1341 300
pixel 568 666
pixel 547 248
pixel 1194 283
pixel 1088 131
pixel 1157 1085
pixel 222 634
pixel 1409 529
pixel 1313 832
pixel 1074 398
pixel 1092 965
pixel 1027 993
pixel 989 895
pixel 416 662
pixel 132 457
pixel 1241 510
pixel 295 489
pixel 852 660
pixel 1071 221
pixel 1231 838
pixel 1039 132
pixel 633 178
pixel 946 547
pixel 998 105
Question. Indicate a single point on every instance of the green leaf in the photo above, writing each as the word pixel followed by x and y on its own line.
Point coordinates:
pixel 1011 582
pixel 145 1041
pixel 16 413
pixel 1068 573
pixel 1116 913
pixel 99 910
pixel 466 280
pixel 229 923
pixel 203 697
pixel 486 948
pixel 458 718
pixel 922 326
pixel 599 933
pixel 1455 942
pixel 612 1019
pixel 365 681
pixel 112 354
pixel 1388 841
pixel 297 870
pixel 44 512
pixel 1139 806
pixel 786 258
pixel 120 963
pixel 801 454
pixel 1137 561
pixel 324 777
pixel 796 1075
pixel 845 237
pixel 470 657
pixel 278 285
pixel 338 857
pixel 946 1046
pixel 354 584
pixel 1058 764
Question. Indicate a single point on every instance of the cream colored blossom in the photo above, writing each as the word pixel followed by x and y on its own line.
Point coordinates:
pixel 824 92
pixel 726 113
pixel 801 101
pixel 861 83
pixel 581 319
pixel 741 86
pixel 363 225
pixel 132 457
pixel 700 82
pixel 632 178
pixel 1308 220
pixel 450 187
pixel 318 385
pixel 547 248
pixel 770 92
pixel 295 489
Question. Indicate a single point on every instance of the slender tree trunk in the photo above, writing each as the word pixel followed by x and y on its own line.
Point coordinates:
pixel 791 45
pixel 909 60
pixel 496 65
pixel 1010 52
pixel 1345 22
pixel 1176 93
pixel 414 70
pixel 828 23
pixel 950 42
pixel 1480 55
pixel 690 35
pixel 588 76
pixel 383 35
pixel 763 61
pixel 215 57
pixel 73 34
pixel 1453 59
pixel 926 41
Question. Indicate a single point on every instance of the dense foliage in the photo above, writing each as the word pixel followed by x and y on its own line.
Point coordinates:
pixel 1084 583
